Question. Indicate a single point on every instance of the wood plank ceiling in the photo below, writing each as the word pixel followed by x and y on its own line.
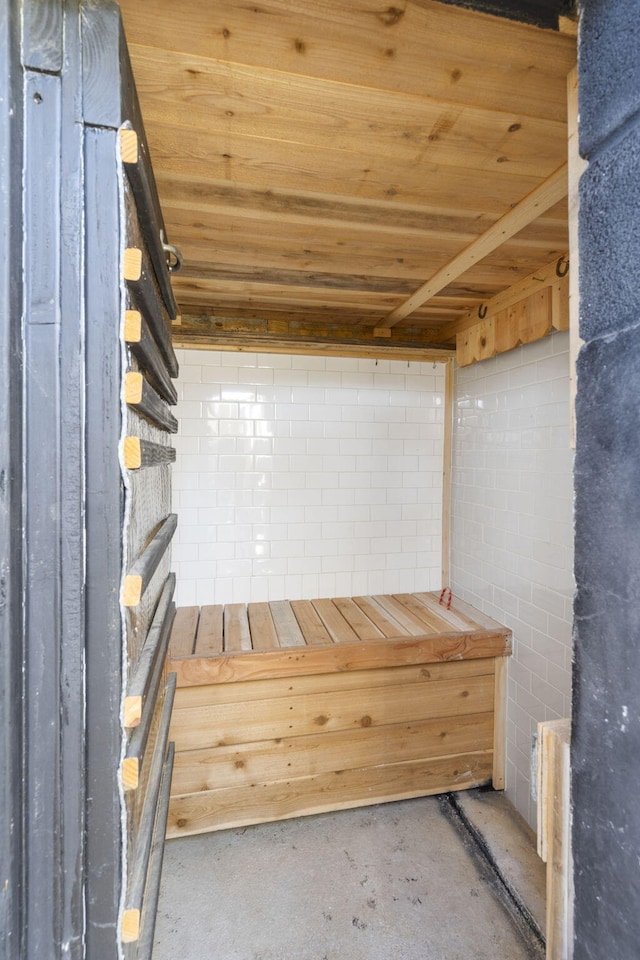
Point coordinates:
pixel 317 163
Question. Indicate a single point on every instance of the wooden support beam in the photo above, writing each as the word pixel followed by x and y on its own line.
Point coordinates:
pixel 141 396
pixel 305 337
pixel 530 208
pixel 577 166
pixel 447 451
pixel 547 276
pixel 138 336
pixel 153 651
pixel 140 176
pixel 140 574
pixel 130 930
pixel 138 274
pixel 137 453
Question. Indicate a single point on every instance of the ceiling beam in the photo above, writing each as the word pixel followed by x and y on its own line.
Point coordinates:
pixel 546 276
pixel 545 196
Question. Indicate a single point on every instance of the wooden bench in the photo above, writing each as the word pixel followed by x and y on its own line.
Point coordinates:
pixel 298 707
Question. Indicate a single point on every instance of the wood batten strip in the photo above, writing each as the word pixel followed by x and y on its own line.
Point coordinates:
pixel 154 872
pixel 140 176
pixel 546 276
pixel 139 576
pixel 335 623
pixel 153 651
pixel 131 768
pixel 138 454
pixel 237 635
pixel 132 264
pixel 313 629
pixel 141 397
pixel 130 930
pixel 209 639
pixel 144 293
pixel 357 619
pixel 263 631
pixel 287 627
pixel 143 346
pixel 183 635
pixel 545 196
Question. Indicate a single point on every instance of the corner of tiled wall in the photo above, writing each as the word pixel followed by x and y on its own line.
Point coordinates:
pixel 512 530
pixel 302 477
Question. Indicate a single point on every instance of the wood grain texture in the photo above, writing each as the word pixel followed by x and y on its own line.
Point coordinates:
pixel 247 764
pixel 301 149
pixel 236 807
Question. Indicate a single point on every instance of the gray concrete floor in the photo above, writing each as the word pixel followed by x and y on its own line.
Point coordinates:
pixel 390 882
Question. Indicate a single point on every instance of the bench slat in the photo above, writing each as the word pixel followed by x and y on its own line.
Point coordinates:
pixel 452 618
pixel 357 619
pixel 313 629
pixel 263 631
pixel 209 638
pixel 412 625
pixel 422 613
pixel 335 622
pixel 382 620
pixel 237 636
pixel 183 634
pixel 289 633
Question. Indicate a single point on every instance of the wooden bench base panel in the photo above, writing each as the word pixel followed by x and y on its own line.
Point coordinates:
pixel 266 732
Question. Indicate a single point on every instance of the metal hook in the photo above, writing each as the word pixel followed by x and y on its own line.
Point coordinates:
pixel 560 270
pixel 482 310
pixel 172 265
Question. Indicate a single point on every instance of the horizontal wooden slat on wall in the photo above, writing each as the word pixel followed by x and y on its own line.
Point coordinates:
pixel 142 570
pixel 140 395
pixel 236 806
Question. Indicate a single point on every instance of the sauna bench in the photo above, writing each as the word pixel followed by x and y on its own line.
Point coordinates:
pixel 299 707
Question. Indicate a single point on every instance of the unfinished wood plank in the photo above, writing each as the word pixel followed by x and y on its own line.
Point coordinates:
pixel 132 264
pixel 476 343
pixel 447 455
pixel 477 618
pixel 138 454
pixel 357 619
pixel 183 635
pixel 431 619
pixel 209 726
pixel 554 840
pixel 335 623
pixel 263 631
pixel 138 869
pixel 432 648
pixel 237 636
pixel 431 601
pixel 577 166
pixel 319 684
pixel 235 807
pixel 289 633
pixel 500 723
pixel 140 395
pixel 413 626
pixel 251 763
pixel 155 648
pixel 139 575
pixel 542 198
pixel 139 338
pixel 209 640
pixel 387 625
pixel 313 629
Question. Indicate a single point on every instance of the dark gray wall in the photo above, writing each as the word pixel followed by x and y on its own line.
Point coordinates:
pixel 606 727
pixel 541 13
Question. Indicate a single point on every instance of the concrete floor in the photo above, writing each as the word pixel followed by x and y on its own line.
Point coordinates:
pixel 398 881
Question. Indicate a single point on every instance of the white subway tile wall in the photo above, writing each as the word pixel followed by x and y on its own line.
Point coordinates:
pixel 512 530
pixel 302 477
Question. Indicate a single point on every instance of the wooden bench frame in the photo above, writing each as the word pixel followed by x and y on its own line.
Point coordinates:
pixel 312 706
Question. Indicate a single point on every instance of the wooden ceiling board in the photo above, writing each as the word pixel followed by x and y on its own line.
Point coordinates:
pixel 319 162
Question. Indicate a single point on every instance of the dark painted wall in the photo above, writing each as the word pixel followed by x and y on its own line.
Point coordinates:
pixel 541 13
pixel 606 729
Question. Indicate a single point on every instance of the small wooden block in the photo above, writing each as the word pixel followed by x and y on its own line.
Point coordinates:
pixel 133 385
pixel 132 326
pixel 177 320
pixel 132 453
pixel 130 930
pixel 130 773
pixel 132 263
pixel 382 331
pixel 128 146
pixel 132 711
pixel 132 590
